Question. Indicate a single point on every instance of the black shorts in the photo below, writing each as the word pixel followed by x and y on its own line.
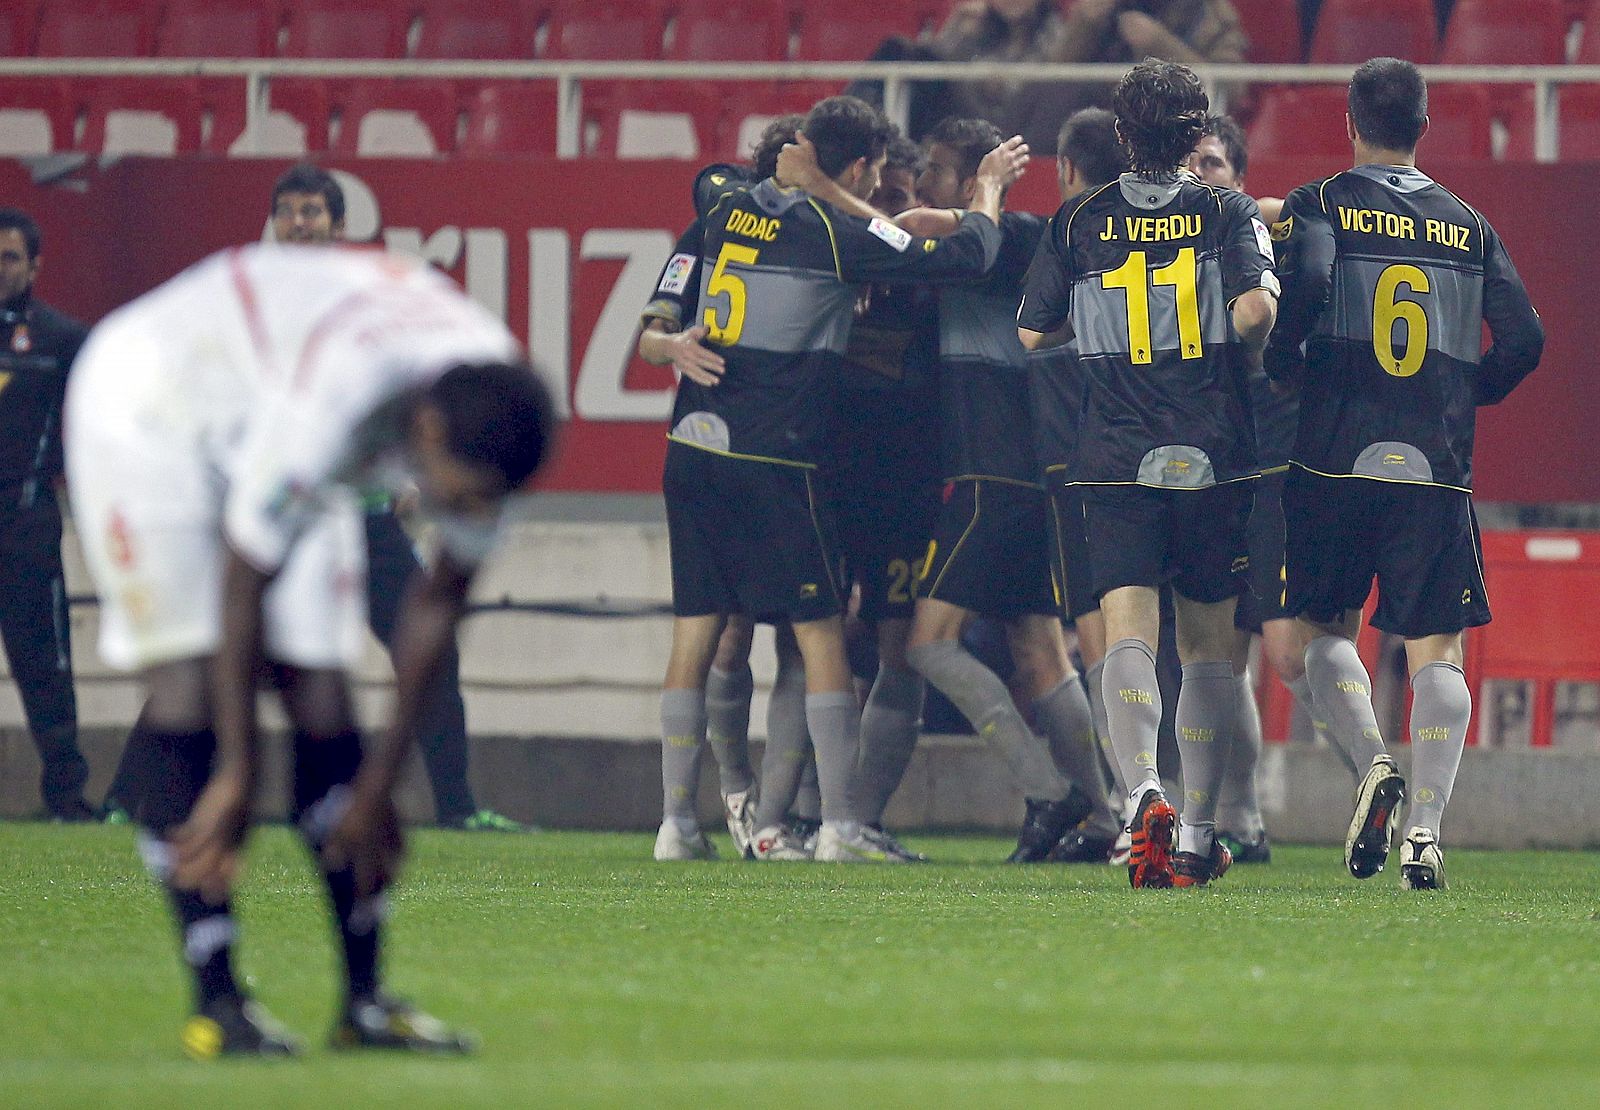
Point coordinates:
pixel 1194 539
pixel 1263 601
pixel 989 552
pixel 748 537
pixel 887 500
pixel 1420 542
pixel 1070 569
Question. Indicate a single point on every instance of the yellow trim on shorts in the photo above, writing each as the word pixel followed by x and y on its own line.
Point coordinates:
pixel 1391 481
pixel 977 508
pixel 736 455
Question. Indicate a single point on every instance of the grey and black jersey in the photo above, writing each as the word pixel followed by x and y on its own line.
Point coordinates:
pixel 985 410
pixel 1145 270
pixel 777 295
pixel 1388 280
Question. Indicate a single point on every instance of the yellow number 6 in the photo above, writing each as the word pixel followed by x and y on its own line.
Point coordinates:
pixel 733 285
pixel 1386 310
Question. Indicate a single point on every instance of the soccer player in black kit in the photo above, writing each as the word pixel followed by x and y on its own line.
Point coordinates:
pixel 37 346
pixel 1388 281
pixel 1147 274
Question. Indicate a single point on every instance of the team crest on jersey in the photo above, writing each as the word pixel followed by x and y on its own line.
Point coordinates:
pixel 21 341
pixel 1263 237
pixel 896 237
pixel 675 278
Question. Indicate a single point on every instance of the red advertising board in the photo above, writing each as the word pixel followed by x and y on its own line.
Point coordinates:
pixel 568 252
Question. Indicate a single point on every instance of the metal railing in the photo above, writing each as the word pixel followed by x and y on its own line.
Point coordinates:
pixel 898 77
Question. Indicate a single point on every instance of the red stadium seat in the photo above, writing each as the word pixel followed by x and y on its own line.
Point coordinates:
pixel 1580 123
pixel 1589 45
pixel 1274 30
pixel 641 119
pixel 474 29
pixel 754 108
pixel 614 30
pixel 849 35
pixel 347 28
pixel 301 110
pixel 98 28
pixel 19 23
pixel 730 31
pixel 1351 31
pixel 1459 123
pixel 510 117
pixel 397 119
pixel 1506 32
pixel 36 116
pixel 219 29
pixel 155 116
pixel 1300 120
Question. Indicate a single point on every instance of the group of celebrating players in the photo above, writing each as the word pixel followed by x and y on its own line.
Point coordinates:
pixel 954 410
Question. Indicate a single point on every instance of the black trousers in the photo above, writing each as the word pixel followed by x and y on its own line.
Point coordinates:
pixel 442 732
pixel 37 635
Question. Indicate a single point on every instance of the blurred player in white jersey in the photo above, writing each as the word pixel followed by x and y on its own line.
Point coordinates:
pixel 217 431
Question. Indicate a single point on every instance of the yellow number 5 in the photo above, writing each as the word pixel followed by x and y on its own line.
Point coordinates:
pixel 1386 311
pixel 733 285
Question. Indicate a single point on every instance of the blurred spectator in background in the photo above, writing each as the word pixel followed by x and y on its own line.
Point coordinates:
pixel 1051 31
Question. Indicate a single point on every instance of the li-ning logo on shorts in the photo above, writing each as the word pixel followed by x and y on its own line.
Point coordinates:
pixel 1466 597
pixel 809 589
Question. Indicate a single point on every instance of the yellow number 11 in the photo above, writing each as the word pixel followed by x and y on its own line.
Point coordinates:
pixel 1134 279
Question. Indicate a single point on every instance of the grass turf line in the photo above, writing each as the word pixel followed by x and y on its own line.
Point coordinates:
pixel 597 977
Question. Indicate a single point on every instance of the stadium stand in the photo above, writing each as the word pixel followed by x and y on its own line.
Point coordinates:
pixel 648 119
pixel 1351 31
pixel 1506 32
pixel 1305 120
pixel 19 23
pixel 1460 120
pixel 219 29
pixel 510 117
pixel 1274 30
pixel 731 31
pixel 36 117
pixel 347 29
pixel 97 29
pixel 472 29
pixel 396 119
pixel 622 30
pixel 851 35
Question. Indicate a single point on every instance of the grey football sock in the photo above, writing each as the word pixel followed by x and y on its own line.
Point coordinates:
pixel 1133 710
pixel 984 700
pixel 808 798
pixel 1441 706
pixel 788 744
pixel 1301 689
pixel 728 725
pixel 1341 688
pixel 834 721
pixel 1205 722
pixel 1094 679
pixel 683 733
pixel 890 724
pixel 1238 804
pixel 1064 717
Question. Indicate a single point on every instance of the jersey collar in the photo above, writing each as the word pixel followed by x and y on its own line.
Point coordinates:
pixel 1402 179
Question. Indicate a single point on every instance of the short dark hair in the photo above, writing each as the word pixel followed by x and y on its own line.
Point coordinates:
pixel 1161 113
pixel 1089 140
pixel 844 128
pixel 15 219
pixel 497 415
pixel 774 137
pixel 971 139
pixel 1227 131
pixel 1389 103
pixel 309 178
pixel 904 154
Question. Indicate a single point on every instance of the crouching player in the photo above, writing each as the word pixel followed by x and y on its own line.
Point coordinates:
pixel 217 429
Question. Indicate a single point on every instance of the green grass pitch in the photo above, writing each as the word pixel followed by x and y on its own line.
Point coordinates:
pixel 596 977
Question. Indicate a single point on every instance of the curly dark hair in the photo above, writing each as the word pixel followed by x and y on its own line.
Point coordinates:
pixel 1161 113
pixel 776 135
pixel 844 128
pixel 905 155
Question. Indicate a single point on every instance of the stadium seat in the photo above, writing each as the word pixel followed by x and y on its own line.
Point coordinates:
pixel 608 30
pixel 474 29
pixel 849 35
pixel 347 28
pixel 154 116
pixel 36 117
pixel 729 31
pixel 397 119
pixel 1300 120
pixel 640 119
pixel 1351 31
pixel 1460 123
pixel 19 22
pixel 510 117
pixel 1273 27
pixel 98 29
pixel 1506 32
pixel 219 29
pixel 754 109
pixel 1580 123
pixel 297 123
pixel 1589 46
